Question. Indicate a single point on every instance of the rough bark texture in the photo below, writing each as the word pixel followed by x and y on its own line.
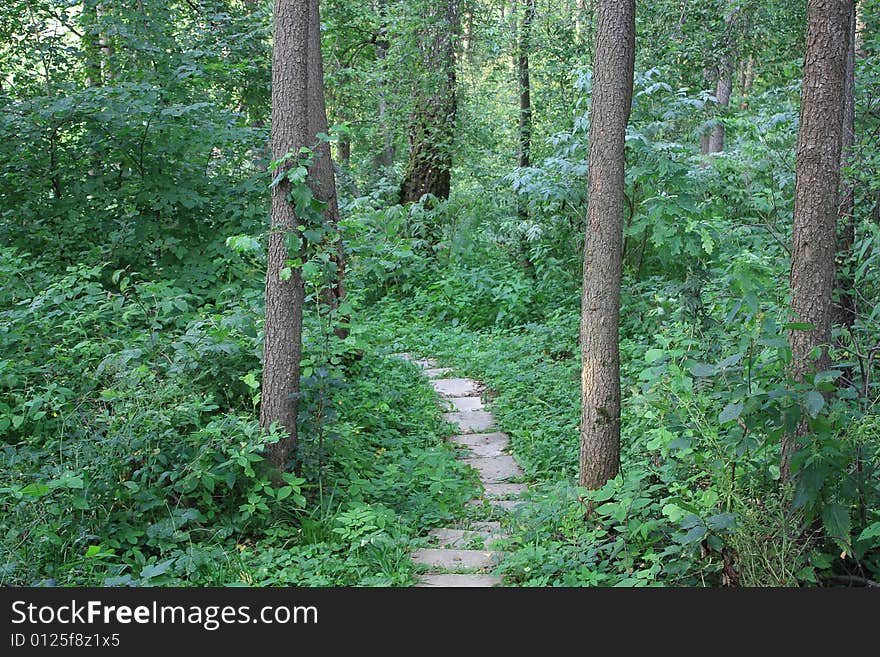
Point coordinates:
pixel 525 101
pixel 284 298
pixel 433 127
pixel 724 82
pixel 322 179
pixel 385 158
pixel 524 81
pixel 91 45
pixel 845 310
pixel 723 90
pixel 817 178
pixel 600 312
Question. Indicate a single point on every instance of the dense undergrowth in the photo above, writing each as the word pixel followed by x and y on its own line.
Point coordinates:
pixel 132 220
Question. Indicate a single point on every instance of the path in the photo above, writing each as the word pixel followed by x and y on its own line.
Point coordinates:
pixel 464 556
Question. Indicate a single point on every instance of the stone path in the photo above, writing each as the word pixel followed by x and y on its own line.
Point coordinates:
pixel 465 556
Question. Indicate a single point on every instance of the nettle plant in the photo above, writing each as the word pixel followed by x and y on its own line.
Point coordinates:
pixel 725 414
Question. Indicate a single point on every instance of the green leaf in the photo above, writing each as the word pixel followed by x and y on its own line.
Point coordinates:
pixel 284 492
pixel 92 551
pixel 702 369
pixel 871 531
pixel 836 520
pixel 154 570
pixel 732 411
pixel 653 355
pixel 814 402
pixel 36 490
pixel 285 273
pixel 695 535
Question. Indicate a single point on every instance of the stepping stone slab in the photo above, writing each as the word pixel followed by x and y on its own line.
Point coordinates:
pixel 471 421
pixel 497 439
pixel 460 538
pixel 466 403
pixel 494 468
pixel 456 387
pixel 504 490
pixel 436 372
pixel 454 559
pixel 425 363
pixel 453 580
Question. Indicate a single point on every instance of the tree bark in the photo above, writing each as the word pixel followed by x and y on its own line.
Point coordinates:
pixel 385 158
pixel 525 101
pixel 600 311
pixel 322 179
pixel 284 298
pixel 433 127
pixel 816 196
pixel 724 83
pixel 845 311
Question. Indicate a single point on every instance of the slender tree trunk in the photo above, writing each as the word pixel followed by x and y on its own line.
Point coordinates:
pixel 723 90
pixel 284 294
pixel 724 83
pixel 816 196
pixel 91 47
pixel 600 310
pixel 106 46
pixel 322 180
pixel 433 128
pixel 525 103
pixel 385 159
pixel 845 311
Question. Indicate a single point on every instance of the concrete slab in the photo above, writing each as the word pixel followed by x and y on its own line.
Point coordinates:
pixel 504 490
pixel 489 443
pixel 456 387
pixel 448 559
pixel 425 363
pixel 454 580
pixel 436 372
pixel 465 403
pixel 462 538
pixel 471 421
pixel 494 468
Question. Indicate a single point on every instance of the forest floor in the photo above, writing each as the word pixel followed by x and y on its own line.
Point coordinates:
pixel 463 555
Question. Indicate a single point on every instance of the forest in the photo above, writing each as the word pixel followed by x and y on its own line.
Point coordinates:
pixel 401 293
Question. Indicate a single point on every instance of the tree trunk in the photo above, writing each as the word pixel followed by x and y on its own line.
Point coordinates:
pixel 322 180
pixel 845 311
pixel 90 42
pixel 525 103
pixel 816 196
pixel 600 311
pixel 433 128
pixel 723 90
pixel 724 82
pixel 385 158
pixel 284 298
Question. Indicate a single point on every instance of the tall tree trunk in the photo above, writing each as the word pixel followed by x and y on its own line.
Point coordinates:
pixel 322 180
pixel 433 128
pixel 816 195
pixel 525 116
pixel 284 298
pixel 90 42
pixel 723 90
pixel 600 310
pixel 385 158
pixel 724 82
pixel 522 65
pixel 845 311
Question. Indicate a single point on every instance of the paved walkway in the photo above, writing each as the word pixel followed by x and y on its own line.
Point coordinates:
pixel 464 556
